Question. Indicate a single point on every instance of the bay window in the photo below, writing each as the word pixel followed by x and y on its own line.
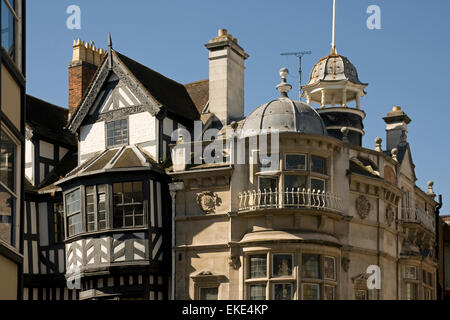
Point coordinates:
pixel 103 207
pixel 318 276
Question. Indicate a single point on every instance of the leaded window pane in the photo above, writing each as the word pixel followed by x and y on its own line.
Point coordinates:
pixel 283 291
pixel 258 266
pixel 282 265
pixel 73 209
pixel 117 133
pixel 311 291
pixel 311 266
pixel 329 268
pixel 257 292
pixel 329 293
pixel 128 207
pixel 411 272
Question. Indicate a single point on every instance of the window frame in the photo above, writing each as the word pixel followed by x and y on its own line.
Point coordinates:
pixel 205 287
pixel 124 205
pixel 325 162
pixel 107 136
pixel 96 212
pixel 16 12
pixel 80 212
pixel 17 182
pixel 305 155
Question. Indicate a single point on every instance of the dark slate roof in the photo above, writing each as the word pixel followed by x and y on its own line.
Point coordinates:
pixel 66 165
pixel 48 121
pixel 114 160
pixel 356 166
pixel 401 152
pixel 167 92
pixel 199 93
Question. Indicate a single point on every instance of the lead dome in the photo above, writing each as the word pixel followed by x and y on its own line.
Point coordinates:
pixel 283 115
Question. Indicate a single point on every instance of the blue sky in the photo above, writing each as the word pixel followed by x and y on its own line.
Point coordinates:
pixel 406 63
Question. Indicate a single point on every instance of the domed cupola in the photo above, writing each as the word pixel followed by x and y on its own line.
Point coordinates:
pixel 283 115
pixel 333 84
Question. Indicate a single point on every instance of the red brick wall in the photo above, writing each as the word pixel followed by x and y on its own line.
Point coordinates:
pixel 80 77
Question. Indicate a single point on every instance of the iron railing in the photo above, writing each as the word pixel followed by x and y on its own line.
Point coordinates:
pixel 290 198
pixel 419 215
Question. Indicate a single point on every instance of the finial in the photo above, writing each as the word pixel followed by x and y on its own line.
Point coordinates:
pixel 394 154
pixel 333 42
pixel 284 87
pixel 378 144
pixel 345 131
pixel 430 189
pixel 110 63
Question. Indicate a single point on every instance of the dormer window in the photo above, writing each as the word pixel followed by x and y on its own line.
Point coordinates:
pixel 117 133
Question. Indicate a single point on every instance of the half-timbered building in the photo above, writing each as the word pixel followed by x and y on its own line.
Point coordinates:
pixel 49 154
pixel 116 200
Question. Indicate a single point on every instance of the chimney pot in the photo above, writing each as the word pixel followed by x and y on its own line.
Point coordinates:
pixel 223 32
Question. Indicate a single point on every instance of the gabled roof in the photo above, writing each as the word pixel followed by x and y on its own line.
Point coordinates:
pixel 48 121
pixel 167 93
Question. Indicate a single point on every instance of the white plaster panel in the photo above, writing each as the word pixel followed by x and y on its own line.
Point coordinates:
pixel 92 139
pixel 43 224
pixel 46 150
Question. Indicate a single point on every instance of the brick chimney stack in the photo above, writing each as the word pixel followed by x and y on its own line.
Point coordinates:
pixel 86 59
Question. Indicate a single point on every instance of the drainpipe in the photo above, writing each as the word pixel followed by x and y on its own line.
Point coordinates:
pixel 173 188
pixel 436 245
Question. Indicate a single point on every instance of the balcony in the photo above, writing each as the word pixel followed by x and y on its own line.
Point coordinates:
pixel 420 216
pixel 253 200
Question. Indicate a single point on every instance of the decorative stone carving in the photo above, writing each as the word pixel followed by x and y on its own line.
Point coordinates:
pixel 234 262
pixel 345 263
pixel 208 201
pixel 390 215
pixel 363 207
